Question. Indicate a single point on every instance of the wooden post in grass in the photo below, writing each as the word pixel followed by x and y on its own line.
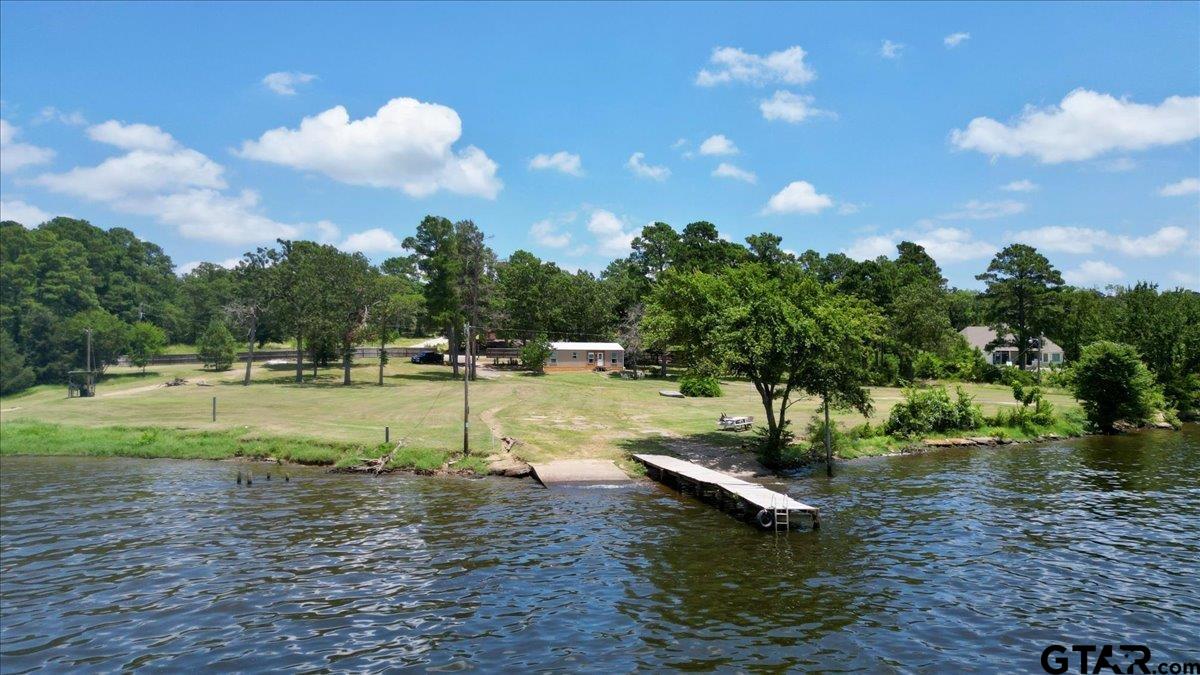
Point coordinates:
pixel 214 408
pixel 387 434
pixel 466 400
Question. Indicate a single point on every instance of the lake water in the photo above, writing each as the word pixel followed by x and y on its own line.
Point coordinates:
pixel 961 559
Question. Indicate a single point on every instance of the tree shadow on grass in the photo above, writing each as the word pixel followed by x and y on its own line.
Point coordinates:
pixel 429 376
pixel 110 378
pixel 705 444
pixel 729 452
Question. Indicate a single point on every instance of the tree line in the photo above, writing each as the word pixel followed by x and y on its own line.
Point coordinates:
pixel 884 321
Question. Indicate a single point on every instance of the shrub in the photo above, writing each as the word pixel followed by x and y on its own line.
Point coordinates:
pixel 1035 410
pixel 216 346
pixel 932 410
pixel 771 455
pixel 705 386
pixel 815 432
pixel 886 371
pixel 1113 384
pixel 535 354
pixel 865 430
pixel 928 366
pixel 1012 375
pixel 145 340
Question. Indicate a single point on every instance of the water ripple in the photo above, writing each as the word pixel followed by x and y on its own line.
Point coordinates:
pixel 923 562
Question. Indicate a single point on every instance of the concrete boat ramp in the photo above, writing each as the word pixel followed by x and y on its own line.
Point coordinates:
pixel 745 500
pixel 578 472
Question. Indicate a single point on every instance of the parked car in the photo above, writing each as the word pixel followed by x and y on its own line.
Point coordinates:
pixel 429 357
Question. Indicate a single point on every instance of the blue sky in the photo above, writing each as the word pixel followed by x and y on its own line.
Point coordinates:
pixel 212 128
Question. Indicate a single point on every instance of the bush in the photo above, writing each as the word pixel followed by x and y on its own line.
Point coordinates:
pixel 1035 410
pixel 838 439
pixel 535 353
pixel 932 410
pixel 886 371
pixel 14 374
pixel 928 366
pixel 1012 375
pixel 1114 385
pixel 145 340
pixel 216 346
pixel 704 386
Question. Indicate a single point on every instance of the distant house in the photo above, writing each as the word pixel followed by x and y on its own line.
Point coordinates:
pixel 982 337
pixel 585 356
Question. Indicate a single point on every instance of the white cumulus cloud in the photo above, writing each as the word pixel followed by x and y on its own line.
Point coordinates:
pixel 1083 240
pixel 727 170
pixel 1093 272
pixel 637 164
pixel 945 244
pixel 546 233
pixel 798 197
pixel 891 50
pixel 563 161
pixel 1187 186
pixel 613 235
pixel 15 155
pixel 374 240
pixel 407 144
pixel 284 83
pixel 23 213
pixel 730 64
pixel 1084 125
pixel 132 136
pixel 955 39
pixel 718 144
pixel 175 185
pixel 788 107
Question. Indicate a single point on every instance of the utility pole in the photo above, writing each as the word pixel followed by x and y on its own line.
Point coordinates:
pixel 466 397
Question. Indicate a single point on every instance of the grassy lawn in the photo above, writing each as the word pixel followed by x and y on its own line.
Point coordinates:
pixel 558 415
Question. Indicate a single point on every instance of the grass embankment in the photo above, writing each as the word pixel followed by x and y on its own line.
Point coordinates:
pixel 44 438
pixel 586 415
pixel 1066 425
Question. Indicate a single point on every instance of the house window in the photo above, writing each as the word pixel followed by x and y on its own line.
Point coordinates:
pixel 591 357
pixel 614 358
pixel 574 356
pixel 553 357
pixel 1056 357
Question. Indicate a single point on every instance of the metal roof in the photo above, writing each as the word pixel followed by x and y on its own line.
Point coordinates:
pixel 584 346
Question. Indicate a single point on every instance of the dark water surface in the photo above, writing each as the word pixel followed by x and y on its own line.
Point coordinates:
pixel 963 559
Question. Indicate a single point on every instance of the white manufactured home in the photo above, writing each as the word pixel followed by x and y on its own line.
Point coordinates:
pixel 585 356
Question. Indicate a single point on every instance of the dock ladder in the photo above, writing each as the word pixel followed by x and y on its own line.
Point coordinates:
pixel 781 517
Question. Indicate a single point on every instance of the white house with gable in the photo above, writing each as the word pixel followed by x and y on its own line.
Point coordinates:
pixel 585 356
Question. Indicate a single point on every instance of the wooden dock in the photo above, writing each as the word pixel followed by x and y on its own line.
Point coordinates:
pixel 746 500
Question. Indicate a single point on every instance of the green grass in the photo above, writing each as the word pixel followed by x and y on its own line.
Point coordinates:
pixel 1067 424
pixel 554 416
pixel 44 438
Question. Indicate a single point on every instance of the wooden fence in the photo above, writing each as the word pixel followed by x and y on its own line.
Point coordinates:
pixel 272 354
